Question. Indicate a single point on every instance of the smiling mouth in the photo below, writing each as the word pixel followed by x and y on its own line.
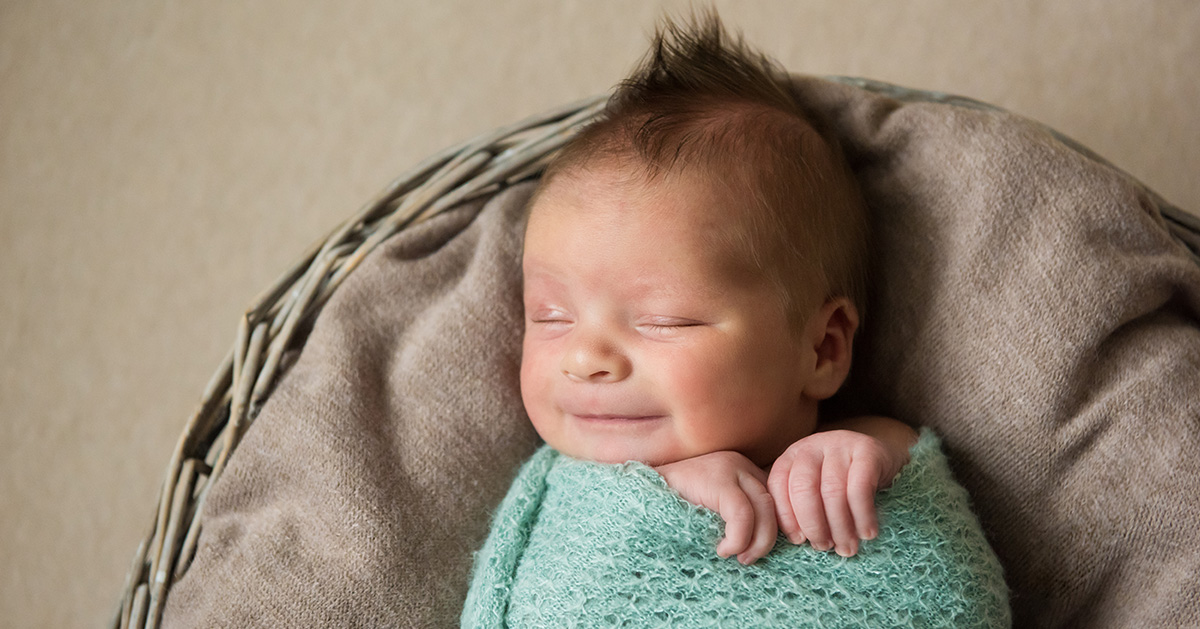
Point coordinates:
pixel 619 418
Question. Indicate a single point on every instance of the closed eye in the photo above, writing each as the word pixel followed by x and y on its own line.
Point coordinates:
pixel 668 326
pixel 550 320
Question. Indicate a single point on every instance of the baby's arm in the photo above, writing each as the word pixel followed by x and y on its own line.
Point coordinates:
pixel 733 486
pixel 824 484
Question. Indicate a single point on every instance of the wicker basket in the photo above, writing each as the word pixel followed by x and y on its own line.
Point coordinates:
pixel 278 318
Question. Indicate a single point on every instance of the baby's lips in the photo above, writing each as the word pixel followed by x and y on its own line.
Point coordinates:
pixel 616 416
pixel 610 411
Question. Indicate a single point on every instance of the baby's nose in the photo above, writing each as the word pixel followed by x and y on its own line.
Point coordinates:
pixel 595 361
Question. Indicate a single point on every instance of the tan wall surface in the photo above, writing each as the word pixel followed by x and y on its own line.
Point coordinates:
pixel 161 162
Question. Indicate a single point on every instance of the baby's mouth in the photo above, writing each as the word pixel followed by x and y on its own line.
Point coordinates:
pixel 599 411
pixel 606 417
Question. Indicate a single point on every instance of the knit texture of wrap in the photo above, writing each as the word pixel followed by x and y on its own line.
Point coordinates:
pixel 578 544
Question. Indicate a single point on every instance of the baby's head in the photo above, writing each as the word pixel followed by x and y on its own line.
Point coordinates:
pixel 693 265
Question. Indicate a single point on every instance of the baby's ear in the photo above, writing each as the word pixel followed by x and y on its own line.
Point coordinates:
pixel 831 334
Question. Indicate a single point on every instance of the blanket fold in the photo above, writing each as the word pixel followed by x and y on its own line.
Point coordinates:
pixel 585 544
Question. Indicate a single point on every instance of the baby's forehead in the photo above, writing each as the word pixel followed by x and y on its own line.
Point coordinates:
pixel 692 194
pixel 684 212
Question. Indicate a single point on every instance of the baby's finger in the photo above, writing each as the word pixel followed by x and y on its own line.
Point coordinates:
pixel 861 486
pixel 738 512
pixel 804 493
pixel 777 485
pixel 764 521
pixel 837 508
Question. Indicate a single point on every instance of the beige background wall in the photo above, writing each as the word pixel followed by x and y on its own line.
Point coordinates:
pixel 160 162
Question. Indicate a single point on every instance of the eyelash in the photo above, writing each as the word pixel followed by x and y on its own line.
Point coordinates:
pixel 654 327
pixel 669 326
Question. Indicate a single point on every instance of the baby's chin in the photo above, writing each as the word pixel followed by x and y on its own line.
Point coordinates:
pixel 617 456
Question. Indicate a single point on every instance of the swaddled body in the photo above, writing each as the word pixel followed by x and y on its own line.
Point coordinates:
pixel 579 544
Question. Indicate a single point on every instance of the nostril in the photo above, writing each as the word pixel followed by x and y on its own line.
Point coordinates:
pixel 594 366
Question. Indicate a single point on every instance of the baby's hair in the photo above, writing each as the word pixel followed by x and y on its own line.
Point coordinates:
pixel 705 103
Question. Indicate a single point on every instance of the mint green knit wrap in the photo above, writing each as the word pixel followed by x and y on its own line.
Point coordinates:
pixel 578 544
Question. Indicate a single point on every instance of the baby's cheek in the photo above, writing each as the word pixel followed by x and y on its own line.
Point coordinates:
pixel 705 372
pixel 729 396
pixel 534 387
pixel 694 382
pixel 701 391
pixel 541 415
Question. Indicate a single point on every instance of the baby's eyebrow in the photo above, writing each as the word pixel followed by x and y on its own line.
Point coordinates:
pixel 537 271
pixel 669 285
pixel 541 276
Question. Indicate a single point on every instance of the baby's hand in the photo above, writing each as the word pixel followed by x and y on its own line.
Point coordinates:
pixel 824 485
pixel 734 487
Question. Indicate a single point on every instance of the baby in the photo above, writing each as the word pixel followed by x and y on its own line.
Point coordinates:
pixel 694 270
pixel 693 276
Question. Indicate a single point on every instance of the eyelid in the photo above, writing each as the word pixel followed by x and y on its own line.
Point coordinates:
pixel 549 315
pixel 670 322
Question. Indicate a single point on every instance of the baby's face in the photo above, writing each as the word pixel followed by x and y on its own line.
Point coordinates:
pixel 645 340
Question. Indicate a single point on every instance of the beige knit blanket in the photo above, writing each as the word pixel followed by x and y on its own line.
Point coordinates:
pixel 1028 305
